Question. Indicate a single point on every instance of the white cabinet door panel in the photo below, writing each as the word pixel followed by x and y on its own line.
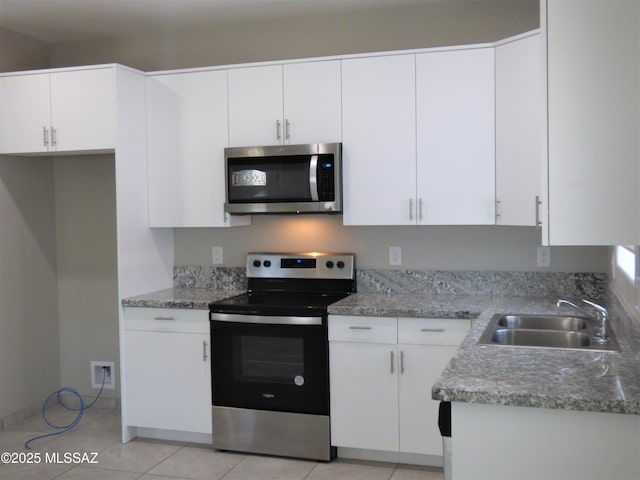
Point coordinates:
pixel 168 381
pixel 519 104
pixel 456 137
pixel 593 122
pixel 83 109
pixel 187 129
pixel 379 140
pixel 364 395
pixel 312 102
pixel 26 113
pixel 255 106
pixel 421 367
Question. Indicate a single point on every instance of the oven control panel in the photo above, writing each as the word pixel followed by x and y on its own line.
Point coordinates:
pixel 301 265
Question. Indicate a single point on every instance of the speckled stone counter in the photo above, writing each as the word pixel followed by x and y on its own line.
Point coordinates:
pixel 499 375
pixel 195 298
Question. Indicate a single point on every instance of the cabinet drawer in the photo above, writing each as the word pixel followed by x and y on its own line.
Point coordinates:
pixel 432 331
pixel 166 320
pixel 363 329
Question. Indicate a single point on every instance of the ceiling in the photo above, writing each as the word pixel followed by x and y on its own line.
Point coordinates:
pixel 69 20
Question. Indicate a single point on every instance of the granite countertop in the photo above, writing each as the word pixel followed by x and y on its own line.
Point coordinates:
pixel 192 298
pixel 516 376
pixel 485 374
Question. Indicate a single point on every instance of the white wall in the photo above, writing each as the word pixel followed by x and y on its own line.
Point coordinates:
pixel 431 23
pixel 20 52
pixel 428 247
pixel 85 216
pixel 29 338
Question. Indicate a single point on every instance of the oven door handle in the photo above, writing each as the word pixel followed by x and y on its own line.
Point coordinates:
pixel 265 319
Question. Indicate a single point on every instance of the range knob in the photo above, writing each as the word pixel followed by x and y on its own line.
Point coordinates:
pixel 256 263
pixel 340 264
pixel 329 264
pixel 267 263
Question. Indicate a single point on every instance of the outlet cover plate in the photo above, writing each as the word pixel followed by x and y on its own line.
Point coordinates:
pixel 395 255
pixel 96 375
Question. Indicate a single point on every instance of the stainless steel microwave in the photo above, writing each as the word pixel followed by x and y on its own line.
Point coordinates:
pixel 284 179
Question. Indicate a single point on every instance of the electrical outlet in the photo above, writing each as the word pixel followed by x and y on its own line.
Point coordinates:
pixel 395 255
pixel 216 255
pixel 544 257
pixel 100 370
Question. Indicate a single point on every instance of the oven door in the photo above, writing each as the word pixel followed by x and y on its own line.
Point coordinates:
pixel 270 363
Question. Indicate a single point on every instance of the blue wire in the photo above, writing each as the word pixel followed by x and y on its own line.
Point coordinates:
pixel 80 410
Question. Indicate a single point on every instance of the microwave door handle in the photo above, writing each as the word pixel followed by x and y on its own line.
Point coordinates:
pixel 313 177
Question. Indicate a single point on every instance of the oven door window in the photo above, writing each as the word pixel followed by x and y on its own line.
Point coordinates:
pixel 269 179
pixel 270 367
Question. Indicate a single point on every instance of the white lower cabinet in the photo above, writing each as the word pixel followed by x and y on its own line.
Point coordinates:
pixel 381 371
pixel 167 369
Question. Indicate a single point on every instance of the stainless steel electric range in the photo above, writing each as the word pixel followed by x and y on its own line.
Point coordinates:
pixel 270 355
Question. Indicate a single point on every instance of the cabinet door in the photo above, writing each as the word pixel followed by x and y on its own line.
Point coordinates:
pixel 364 395
pixel 83 110
pixel 312 102
pixel 168 380
pixel 255 106
pixel 519 104
pixel 592 78
pixel 187 132
pixel 421 365
pixel 456 137
pixel 26 113
pixel 379 140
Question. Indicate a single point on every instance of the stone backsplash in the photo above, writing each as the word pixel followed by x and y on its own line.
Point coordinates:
pixel 519 284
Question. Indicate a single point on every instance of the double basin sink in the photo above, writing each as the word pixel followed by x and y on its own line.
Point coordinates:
pixel 546 331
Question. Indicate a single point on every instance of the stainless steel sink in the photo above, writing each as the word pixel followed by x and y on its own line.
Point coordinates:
pixel 543 322
pixel 545 331
pixel 541 338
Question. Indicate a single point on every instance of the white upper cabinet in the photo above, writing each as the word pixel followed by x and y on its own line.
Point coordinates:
pixel 255 106
pixel 379 140
pixel 456 137
pixel 312 102
pixel 26 113
pixel 60 111
pixel 187 133
pixel 592 70
pixel 285 104
pixel 519 105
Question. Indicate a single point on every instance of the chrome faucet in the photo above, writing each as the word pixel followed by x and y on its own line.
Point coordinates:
pixel 602 316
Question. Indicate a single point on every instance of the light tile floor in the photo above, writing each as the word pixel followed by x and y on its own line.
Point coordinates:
pixel 99 431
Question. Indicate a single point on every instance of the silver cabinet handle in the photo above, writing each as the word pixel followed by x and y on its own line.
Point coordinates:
pixel 163 318
pixel 401 362
pixel 538 203
pixel 420 209
pixel 433 330
pixel 498 209
pixel 411 209
pixel 278 130
pixel 204 351
pixel 287 129
pixel 45 136
pixel 54 137
pixel 359 327
pixel 392 363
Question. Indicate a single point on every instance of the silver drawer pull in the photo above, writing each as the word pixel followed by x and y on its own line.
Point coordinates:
pixel 163 318
pixel 358 327
pixel 392 363
pixel 433 330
